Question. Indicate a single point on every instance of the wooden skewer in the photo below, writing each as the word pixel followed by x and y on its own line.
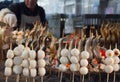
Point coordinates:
pixel 26 80
pixel 83 79
pixel 42 79
pixel 61 76
pixel 114 76
pixel 6 80
pixel 108 77
pixel 33 79
pixel 73 77
pixel 18 78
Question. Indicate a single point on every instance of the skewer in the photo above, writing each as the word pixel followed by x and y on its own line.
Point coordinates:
pixel 6 80
pixel 42 79
pixel 61 76
pixel 18 78
pixel 73 77
pixel 83 79
pixel 108 77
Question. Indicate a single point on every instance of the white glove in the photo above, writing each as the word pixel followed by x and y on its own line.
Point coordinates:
pixel 3 12
pixel 10 19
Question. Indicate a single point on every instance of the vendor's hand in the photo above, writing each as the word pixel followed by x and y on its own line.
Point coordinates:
pixel 10 19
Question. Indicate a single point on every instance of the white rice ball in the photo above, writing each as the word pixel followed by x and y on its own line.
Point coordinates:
pixel 26 72
pixel 116 59
pixel 21 46
pixel 32 54
pixel 17 60
pixel 84 62
pixel 64 60
pixel 8 71
pixel 109 53
pixel 9 63
pixel 18 51
pixel 75 52
pixel 25 54
pixel 62 67
pixel 108 69
pixel 74 59
pixel 83 70
pixel 116 67
pixel 41 63
pixel 17 69
pixel 25 63
pixel 64 52
pixel 33 63
pixel 74 67
pixel 10 54
pixel 33 72
pixel 109 61
pixel 116 52
pixel 41 54
pixel 41 72
pixel 85 55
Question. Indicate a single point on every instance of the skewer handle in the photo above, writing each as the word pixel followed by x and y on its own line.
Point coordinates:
pixel 42 79
pixel 33 79
pixel 83 79
pixel 26 80
pixel 18 78
pixel 6 80
pixel 73 77
pixel 114 77
pixel 108 77
pixel 61 76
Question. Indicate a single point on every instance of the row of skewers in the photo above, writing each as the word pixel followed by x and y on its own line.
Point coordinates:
pixel 71 53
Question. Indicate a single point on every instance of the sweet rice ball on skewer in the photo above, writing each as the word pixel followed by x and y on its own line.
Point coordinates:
pixel 26 72
pixel 41 72
pixel 108 69
pixel 64 60
pixel 33 63
pixel 75 52
pixel 116 67
pixel 9 62
pixel 116 52
pixel 41 54
pixel 10 54
pixel 74 67
pixel 74 59
pixel 17 60
pixel 62 67
pixel 109 61
pixel 8 71
pixel 84 62
pixel 116 59
pixel 33 72
pixel 25 63
pixel 84 55
pixel 65 52
pixel 41 63
pixel 109 53
pixel 17 69
pixel 83 70
pixel 32 54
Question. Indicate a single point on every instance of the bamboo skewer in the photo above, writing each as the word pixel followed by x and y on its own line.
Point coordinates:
pixel 18 78
pixel 83 78
pixel 6 80
pixel 61 76
pixel 73 77
pixel 42 79
pixel 108 77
